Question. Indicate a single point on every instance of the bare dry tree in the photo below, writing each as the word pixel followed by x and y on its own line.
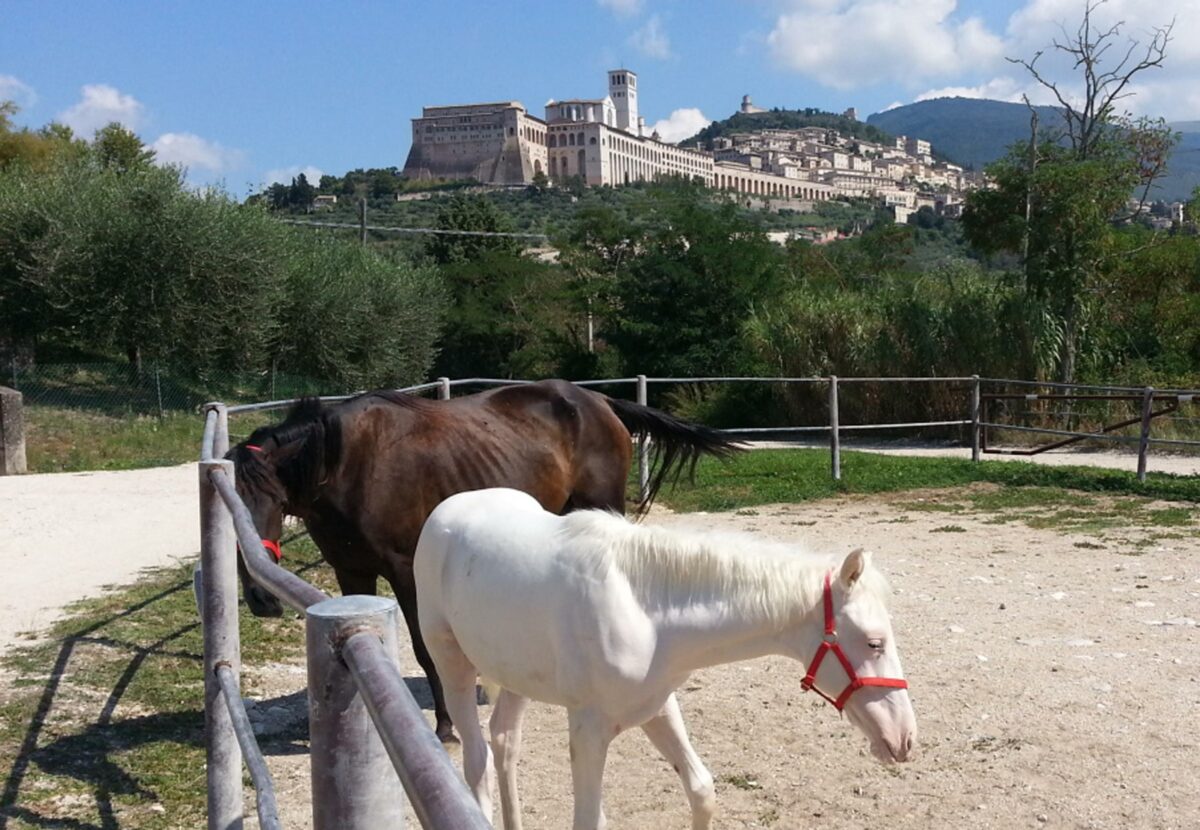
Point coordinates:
pixel 1103 88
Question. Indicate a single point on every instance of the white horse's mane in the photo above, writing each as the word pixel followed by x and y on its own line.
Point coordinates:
pixel 671 566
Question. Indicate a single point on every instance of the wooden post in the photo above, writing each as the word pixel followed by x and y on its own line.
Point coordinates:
pixel 1144 443
pixel 974 417
pixel 835 440
pixel 643 447
pixel 12 432
pixel 362 221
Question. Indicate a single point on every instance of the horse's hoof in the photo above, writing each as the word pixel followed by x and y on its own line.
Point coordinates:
pixel 447 736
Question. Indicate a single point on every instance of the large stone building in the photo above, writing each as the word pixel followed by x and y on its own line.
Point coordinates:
pixel 602 140
pixel 498 143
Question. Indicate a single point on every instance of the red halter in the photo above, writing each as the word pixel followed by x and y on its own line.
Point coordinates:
pixel 830 643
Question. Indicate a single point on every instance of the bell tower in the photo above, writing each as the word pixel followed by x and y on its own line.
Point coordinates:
pixel 622 88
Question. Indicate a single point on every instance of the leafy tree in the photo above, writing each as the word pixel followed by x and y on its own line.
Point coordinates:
pixel 301 194
pixel 120 149
pixel 354 317
pixel 1055 202
pixel 680 300
pixel 471 214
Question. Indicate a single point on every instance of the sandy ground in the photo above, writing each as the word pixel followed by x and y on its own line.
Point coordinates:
pixel 65 537
pixel 1056 680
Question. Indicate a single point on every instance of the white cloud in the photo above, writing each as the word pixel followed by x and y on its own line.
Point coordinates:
pixel 623 8
pixel 1172 91
pixel 100 105
pixel 15 90
pixel 681 124
pixel 284 175
pixel 852 43
pixel 195 153
pixel 997 89
pixel 651 40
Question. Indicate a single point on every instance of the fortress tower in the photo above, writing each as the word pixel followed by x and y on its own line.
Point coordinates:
pixel 622 88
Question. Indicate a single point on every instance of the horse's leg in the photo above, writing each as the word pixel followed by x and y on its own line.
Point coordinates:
pixel 350 582
pixel 669 735
pixel 506 747
pixel 406 594
pixel 459 675
pixel 590 734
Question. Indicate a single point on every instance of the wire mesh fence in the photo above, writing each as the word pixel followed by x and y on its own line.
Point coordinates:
pixel 122 390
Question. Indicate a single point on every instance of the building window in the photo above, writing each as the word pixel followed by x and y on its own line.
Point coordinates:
pixel 593 140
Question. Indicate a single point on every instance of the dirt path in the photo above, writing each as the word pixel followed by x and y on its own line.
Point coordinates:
pixel 64 537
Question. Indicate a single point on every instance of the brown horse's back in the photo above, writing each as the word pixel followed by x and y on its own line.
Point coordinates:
pixel 401 456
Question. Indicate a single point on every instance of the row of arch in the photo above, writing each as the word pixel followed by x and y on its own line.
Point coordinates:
pixel 758 187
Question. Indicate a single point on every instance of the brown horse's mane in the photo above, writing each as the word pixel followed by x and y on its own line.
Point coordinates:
pixel 319 428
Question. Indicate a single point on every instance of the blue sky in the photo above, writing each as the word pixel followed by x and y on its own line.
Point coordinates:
pixel 242 92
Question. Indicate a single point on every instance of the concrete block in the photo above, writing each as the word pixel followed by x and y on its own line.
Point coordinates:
pixel 12 432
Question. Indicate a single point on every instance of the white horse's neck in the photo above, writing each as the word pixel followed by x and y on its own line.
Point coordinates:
pixel 713 598
pixel 699 636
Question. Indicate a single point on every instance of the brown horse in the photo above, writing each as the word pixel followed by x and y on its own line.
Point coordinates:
pixel 365 474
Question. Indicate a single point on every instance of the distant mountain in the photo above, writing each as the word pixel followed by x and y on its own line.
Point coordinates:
pixel 780 119
pixel 975 132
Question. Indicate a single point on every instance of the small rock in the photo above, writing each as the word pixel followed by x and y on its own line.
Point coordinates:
pixel 1002 606
pixel 957 629
pixel 1043 818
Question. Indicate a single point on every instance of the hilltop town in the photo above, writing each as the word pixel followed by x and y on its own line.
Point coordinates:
pixel 604 141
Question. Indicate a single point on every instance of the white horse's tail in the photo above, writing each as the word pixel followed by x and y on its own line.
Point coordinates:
pixel 491 689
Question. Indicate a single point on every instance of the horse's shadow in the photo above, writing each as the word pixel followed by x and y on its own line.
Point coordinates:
pixel 91 756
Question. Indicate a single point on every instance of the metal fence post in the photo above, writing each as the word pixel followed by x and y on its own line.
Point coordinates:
pixel 835 440
pixel 354 785
pixel 643 447
pixel 444 389
pixel 975 417
pixel 219 610
pixel 1144 443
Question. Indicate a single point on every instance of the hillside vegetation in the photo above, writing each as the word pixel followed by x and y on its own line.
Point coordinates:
pixel 784 119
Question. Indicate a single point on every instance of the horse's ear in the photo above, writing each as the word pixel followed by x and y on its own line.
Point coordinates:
pixel 854 565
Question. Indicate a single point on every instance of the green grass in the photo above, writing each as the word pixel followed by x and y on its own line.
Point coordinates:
pixel 68 440
pixel 59 440
pixel 106 716
pixel 789 476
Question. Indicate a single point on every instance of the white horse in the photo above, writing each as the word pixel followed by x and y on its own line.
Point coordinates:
pixel 607 618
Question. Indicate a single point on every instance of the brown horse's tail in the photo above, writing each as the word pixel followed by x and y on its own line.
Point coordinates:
pixel 675 445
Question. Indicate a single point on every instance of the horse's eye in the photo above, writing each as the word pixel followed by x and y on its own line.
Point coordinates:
pixel 877 645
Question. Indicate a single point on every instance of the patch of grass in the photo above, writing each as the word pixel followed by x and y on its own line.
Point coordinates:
pixel 108 716
pixel 949 529
pixel 1169 517
pixel 742 780
pixel 790 476
pixel 1016 498
pixel 60 440
pixel 68 440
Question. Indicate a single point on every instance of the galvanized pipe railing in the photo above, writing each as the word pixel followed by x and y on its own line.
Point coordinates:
pixel 437 793
pixel 356 691
pixel 260 776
